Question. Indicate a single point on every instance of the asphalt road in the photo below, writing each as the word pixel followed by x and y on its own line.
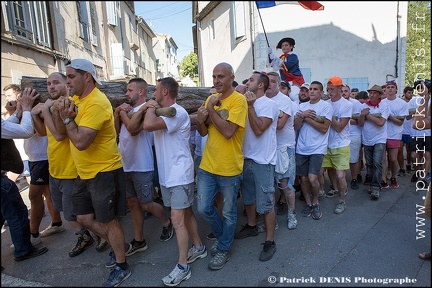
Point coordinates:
pixel 373 243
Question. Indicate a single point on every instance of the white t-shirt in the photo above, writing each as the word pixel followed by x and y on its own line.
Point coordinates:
pixel 284 104
pixel 136 151
pixel 397 107
pixel 174 158
pixel 36 148
pixel 262 149
pixel 311 141
pixel 374 134
pixel 341 109
pixel 355 130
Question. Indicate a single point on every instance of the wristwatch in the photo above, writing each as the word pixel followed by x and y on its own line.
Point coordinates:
pixel 67 120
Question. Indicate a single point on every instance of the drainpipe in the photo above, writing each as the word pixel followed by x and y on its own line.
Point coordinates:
pixel 397 44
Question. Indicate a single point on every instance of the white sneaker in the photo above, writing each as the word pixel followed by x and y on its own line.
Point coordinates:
pixel 292 221
pixel 194 254
pixel 50 230
pixel 176 276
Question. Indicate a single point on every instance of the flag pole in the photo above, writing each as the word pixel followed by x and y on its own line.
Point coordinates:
pixel 262 24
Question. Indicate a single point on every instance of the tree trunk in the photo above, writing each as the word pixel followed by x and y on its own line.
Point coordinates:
pixel 190 98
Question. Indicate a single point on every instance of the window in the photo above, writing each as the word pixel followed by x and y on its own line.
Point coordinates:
pixel 112 12
pixel 93 21
pixel 239 20
pixel 83 20
pixel 28 20
pixel 212 34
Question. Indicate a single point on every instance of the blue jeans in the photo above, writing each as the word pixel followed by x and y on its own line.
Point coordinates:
pixel 374 156
pixel 208 186
pixel 15 212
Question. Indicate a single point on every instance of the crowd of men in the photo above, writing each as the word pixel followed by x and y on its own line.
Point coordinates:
pixel 251 141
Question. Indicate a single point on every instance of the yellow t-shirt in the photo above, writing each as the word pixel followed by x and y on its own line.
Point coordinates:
pixel 95 112
pixel 223 156
pixel 61 164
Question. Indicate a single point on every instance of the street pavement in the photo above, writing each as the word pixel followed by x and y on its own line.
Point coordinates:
pixel 373 243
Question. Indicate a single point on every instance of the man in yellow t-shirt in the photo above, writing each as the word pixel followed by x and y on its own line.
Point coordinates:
pixel 222 160
pixel 98 199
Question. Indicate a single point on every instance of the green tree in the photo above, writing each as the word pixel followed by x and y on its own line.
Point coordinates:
pixel 418 41
pixel 189 66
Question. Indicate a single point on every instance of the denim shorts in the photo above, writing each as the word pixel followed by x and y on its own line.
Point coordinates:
pixel 140 184
pixel 257 185
pixel 291 172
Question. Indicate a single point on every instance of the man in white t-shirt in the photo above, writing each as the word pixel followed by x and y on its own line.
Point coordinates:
pixel 176 174
pixel 259 149
pixel 285 136
pixel 338 150
pixel 312 123
pixel 373 119
pixel 398 110
pixel 355 137
pixel 135 146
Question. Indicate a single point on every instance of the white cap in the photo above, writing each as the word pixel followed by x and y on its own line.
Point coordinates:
pixel 84 65
pixel 305 85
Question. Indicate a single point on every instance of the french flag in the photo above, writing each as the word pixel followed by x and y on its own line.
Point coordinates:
pixel 309 5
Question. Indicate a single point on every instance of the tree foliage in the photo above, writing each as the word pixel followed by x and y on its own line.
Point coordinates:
pixel 418 42
pixel 189 66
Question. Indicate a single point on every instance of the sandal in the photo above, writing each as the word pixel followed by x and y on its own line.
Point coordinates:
pixel 425 255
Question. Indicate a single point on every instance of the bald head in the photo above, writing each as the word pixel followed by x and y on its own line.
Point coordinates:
pixel 223 77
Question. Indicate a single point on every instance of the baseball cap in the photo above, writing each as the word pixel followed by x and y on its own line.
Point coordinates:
pixel 305 85
pixel 354 90
pixel 334 81
pixel 84 65
pixel 286 84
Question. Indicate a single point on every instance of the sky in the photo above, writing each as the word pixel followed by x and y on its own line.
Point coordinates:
pixel 169 17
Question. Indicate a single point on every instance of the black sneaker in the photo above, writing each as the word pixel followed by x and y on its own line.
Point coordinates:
pixel 246 231
pixel 84 241
pixel 307 211
pixel 136 247
pixel 117 276
pixel 354 184
pixel 211 236
pixel 384 184
pixel 167 232
pixel 34 252
pixel 101 244
pixel 359 178
pixel 268 250
pixel 316 212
